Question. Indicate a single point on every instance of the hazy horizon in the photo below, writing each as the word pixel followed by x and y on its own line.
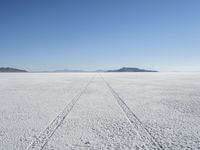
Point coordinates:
pixel 91 35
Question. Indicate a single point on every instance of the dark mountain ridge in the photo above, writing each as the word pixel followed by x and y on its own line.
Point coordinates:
pixel 8 69
pixel 129 69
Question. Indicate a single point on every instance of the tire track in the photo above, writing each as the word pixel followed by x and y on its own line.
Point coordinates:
pixel 44 136
pixel 149 141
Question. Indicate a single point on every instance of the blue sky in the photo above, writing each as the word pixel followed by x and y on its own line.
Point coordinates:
pixel 100 34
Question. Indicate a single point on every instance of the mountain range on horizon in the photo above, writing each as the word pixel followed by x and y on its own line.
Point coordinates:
pixel 123 69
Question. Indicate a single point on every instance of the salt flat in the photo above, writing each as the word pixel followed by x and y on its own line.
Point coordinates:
pixel 157 110
pixel 96 122
pixel 29 101
pixel 168 104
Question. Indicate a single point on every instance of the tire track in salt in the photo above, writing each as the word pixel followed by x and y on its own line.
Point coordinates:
pixel 149 141
pixel 44 136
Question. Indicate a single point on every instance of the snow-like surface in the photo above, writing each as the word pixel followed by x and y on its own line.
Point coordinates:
pixel 168 104
pixel 163 107
pixel 28 102
pixel 96 122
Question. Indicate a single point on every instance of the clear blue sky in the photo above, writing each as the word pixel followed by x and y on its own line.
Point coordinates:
pixel 100 34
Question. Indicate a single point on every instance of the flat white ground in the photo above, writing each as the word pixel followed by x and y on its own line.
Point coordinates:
pixel 99 111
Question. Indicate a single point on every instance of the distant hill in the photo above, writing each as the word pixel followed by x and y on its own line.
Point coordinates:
pixel 124 69
pixel 8 69
pixel 127 69
pixel 67 70
pixel 100 70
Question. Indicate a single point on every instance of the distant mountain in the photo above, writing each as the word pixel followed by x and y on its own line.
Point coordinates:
pixel 124 69
pixel 100 70
pixel 8 69
pixel 127 69
pixel 67 70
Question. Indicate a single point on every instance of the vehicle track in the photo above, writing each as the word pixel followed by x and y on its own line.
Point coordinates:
pixel 41 140
pixel 149 141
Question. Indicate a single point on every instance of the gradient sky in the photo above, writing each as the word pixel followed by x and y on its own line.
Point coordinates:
pixel 100 34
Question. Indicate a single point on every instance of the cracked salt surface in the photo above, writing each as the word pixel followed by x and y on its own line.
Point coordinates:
pixel 96 122
pixel 29 101
pixel 166 104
